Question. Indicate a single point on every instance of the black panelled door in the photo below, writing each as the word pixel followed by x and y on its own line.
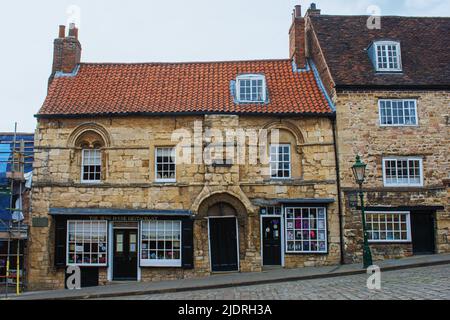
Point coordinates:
pixel 422 232
pixel 271 232
pixel 125 254
pixel 223 242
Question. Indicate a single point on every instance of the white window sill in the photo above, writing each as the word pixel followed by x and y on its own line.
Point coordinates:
pixel 161 263
pixel 399 125
pixel 166 181
pixel 389 241
pixel 403 185
pixel 90 182
pixel 87 265
pixel 306 252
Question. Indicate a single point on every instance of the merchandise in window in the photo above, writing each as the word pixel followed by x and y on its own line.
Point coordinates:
pixel 87 243
pixel 306 230
pixel 161 243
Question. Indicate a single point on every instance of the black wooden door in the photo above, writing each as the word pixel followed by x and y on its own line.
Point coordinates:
pixel 271 232
pixel 422 232
pixel 224 244
pixel 125 254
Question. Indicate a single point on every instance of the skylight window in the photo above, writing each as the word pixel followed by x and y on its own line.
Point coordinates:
pixel 251 88
pixel 386 56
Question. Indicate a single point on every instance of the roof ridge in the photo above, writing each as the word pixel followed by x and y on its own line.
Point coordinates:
pixel 183 62
pixel 383 16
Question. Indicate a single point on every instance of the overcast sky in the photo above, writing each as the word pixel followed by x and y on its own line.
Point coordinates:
pixel 152 30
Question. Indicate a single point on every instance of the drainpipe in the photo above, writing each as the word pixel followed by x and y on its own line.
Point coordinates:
pixel 338 180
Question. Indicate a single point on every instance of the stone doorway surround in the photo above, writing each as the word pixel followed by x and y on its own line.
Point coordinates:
pixel 247 218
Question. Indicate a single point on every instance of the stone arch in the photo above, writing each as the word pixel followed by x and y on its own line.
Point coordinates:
pixel 292 128
pixel 235 198
pixel 222 204
pixel 91 133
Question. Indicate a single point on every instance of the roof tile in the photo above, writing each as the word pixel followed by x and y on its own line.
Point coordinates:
pixel 155 88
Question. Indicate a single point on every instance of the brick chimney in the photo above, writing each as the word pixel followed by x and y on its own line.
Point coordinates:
pixel 313 11
pixel 297 38
pixel 67 51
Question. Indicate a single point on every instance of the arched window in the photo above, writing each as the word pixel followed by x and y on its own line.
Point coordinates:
pixel 91 145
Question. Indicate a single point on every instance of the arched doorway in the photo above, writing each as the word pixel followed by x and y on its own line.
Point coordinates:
pixel 223 238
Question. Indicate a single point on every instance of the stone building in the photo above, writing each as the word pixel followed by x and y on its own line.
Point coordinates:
pixel 127 188
pixel 391 89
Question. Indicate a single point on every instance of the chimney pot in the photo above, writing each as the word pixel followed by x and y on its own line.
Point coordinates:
pixel 62 32
pixel 73 31
pixel 298 11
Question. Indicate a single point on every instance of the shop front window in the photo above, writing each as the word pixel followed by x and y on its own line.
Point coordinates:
pixel 87 243
pixel 306 230
pixel 161 244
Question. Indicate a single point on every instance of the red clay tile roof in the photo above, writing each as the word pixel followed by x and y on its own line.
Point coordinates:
pixel 155 88
pixel 425 49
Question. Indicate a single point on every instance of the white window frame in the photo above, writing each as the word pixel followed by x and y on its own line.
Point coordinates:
pixel 176 263
pixel 106 253
pixel 408 226
pixel 251 77
pixel 386 184
pixel 399 56
pixel 286 227
pixel 278 145
pixel 87 181
pixel 403 101
pixel 156 165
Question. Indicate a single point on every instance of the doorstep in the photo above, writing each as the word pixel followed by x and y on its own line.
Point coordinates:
pixel 232 280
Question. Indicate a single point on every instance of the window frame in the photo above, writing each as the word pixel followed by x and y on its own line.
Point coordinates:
pixel 82 166
pixel 290 160
pixel 156 165
pixel 408 226
pixel 403 104
pixel 174 263
pixel 386 184
pixel 251 77
pixel 399 56
pixel 286 227
pixel 106 253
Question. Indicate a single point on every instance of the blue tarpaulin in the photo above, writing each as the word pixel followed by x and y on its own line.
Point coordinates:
pixel 6 148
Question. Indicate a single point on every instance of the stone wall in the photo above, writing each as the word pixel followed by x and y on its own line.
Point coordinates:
pixel 129 183
pixel 359 132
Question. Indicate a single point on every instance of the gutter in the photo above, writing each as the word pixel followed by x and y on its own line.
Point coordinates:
pixel 189 113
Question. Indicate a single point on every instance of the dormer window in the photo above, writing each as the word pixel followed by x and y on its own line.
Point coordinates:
pixel 251 88
pixel 386 56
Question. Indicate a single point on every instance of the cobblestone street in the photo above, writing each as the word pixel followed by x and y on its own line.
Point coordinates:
pixel 416 284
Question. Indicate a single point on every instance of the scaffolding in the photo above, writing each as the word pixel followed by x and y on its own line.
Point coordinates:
pixel 15 229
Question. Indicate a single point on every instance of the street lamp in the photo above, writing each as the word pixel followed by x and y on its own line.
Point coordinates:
pixel 359 172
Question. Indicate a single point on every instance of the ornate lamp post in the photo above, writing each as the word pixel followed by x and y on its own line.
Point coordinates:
pixel 359 172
